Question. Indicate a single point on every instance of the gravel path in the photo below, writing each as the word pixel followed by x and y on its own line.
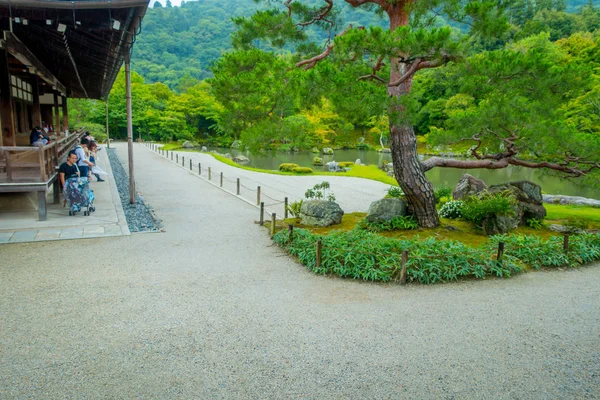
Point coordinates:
pixel 138 215
pixel 210 309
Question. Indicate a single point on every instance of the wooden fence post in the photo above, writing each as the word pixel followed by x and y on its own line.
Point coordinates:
pixel 182 161
pixel 190 164
pixel 566 243
pixel 319 249
pixel 258 195
pixel 209 173
pixel 403 267
pixel 285 207
pixel 261 220
pixel 177 158
pixel 171 155
pixel 290 233
pixel 273 222
pixel 199 169
pixel 221 180
pixel 238 186
pixel 500 251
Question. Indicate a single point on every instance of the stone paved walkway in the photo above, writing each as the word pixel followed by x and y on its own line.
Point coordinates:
pixel 211 309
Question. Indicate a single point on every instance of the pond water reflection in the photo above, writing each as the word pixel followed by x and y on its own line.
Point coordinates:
pixel 438 176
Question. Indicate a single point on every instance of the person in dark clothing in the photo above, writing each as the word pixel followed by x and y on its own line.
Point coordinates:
pixel 68 169
pixel 37 137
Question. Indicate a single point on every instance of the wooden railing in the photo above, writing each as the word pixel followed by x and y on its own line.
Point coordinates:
pixel 22 164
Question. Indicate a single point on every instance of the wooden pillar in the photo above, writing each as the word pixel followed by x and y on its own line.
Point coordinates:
pixel 36 111
pixel 56 114
pixel 129 127
pixel 7 113
pixel 65 111
pixel 107 135
pixel 42 214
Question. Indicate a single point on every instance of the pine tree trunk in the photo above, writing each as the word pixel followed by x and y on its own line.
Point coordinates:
pixel 410 175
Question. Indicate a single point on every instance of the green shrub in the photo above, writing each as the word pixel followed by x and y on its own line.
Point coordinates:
pixel 345 164
pixel 295 208
pixel 536 224
pixel 288 167
pixel 442 191
pixel 452 209
pixel 395 192
pixel 395 224
pixel 317 161
pixel 443 200
pixel 320 191
pixel 359 254
pixel 576 223
pixel 302 170
pixel 477 208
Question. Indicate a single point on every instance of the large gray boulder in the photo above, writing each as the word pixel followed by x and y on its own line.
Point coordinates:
pixel 204 149
pixel 386 209
pixel 575 200
pixel 333 166
pixel 500 224
pixel 468 186
pixel 189 145
pixel 321 213
pixel 240 159
pixel 529 196
pixel 327 150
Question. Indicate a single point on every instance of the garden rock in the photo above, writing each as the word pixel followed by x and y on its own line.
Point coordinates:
pixel 204 149
pixel 468 186
pixel 314 150
pixel 317 161
pixel 529 196
pixel 189 145
pixel 386 209
pixel 228 156
pixel 500 224
pixel 333 166
pixel 575 200
pixel 240 159
pixel 327 150
pixel 320 213
pixel 358 162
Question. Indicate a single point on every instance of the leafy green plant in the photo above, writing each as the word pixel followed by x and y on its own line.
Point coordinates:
pixel 443 200
pixel 395 192
pixel 295 207
pixel 536 224
pixel 477 208
pixel 395 224
pixel 442 191
pixel 302 170
pixel 287 167
pixel 575 223
pixel 452 209
pixel 345 164
pixel 320 191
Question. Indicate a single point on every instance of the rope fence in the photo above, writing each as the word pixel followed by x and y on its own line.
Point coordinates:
pixel 219 179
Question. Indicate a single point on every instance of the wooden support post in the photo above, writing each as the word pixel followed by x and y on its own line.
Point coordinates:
pixel 273 223
pixel 106 115
pixel 566 243
pixel 261 219
pixel 190 164
pixel 221 182
pixel 56 191
pixel 285 207
pixel 238 186
pixel 209 174
pixel 65 110
pixel 7 107
pixel 319 251
pixel 56 114
pixel 42 205
pixel 177 158
pixel 182 161
pixel 258 195
pixel 36 111
pixel 403 270
pixel 171 155
pixel 500 251
pixel 199 169
pixel 129 126
pixel 290 233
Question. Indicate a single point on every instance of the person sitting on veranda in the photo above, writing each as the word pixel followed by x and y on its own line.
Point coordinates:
pixel 37 137
pixel 83 163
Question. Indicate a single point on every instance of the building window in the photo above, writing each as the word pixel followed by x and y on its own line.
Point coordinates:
pixel 21 89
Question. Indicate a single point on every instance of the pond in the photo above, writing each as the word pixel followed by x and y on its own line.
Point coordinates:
pixel 438 176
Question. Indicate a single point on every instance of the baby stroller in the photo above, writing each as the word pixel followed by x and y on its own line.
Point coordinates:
pixel 79 195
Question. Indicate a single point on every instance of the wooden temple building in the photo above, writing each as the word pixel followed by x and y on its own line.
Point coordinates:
pixel 52 50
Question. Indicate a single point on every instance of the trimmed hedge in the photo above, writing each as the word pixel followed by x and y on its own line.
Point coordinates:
pixel 345 164
pixel 363 255
pixel 302 170
pixel 288 167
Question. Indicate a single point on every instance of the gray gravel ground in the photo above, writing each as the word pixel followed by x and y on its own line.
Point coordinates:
pixel 138 215
pixel 209 309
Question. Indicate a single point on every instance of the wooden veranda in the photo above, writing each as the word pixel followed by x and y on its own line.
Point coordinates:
pixel 52 50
